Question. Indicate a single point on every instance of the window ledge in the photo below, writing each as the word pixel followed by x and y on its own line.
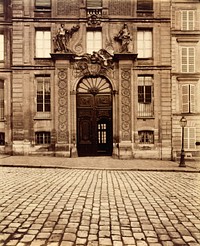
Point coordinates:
pixel 42 58
pixel 42 10
pixel 43 116
pixel 146 117
pixel 145 58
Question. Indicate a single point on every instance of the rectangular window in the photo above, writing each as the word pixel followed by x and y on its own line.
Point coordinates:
pixel 144 44
pixel 145 96
pixel 1 100
pixel 94 3
pixel 43 94
pixel 188 59
pixel 94 41
pixel 2 138
pixel 188 98
pixel 1 7
pixel 146 137
pixel 190 138
pixel 1 47
pixel 42 137
pixel 187 20
pixel 102 133
pixel 42 4
pixel 43 44
pixel 144 5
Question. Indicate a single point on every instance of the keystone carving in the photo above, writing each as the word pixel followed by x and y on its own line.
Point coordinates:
pixel 93 64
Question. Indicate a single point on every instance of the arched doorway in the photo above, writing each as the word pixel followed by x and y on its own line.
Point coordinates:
pixel 94 116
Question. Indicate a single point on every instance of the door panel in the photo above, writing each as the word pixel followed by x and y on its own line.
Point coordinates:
pixel 94 129
pixel 94 116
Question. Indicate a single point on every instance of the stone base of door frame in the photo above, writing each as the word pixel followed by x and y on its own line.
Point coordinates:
pixel 62 150
pixel 125 151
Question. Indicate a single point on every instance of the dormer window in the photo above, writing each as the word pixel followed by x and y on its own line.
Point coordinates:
pixel 94 4
pixel 42 4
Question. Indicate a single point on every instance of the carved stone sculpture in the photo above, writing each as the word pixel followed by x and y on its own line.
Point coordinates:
pixel 124 39
pixel 62 38
pixel 93 64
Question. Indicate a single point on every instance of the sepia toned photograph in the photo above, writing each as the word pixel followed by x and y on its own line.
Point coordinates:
pixel 99 122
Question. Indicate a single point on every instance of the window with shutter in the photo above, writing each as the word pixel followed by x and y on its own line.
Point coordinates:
pixel 187 20
pixel 188 59
pixel 144 5
pixel 43 4
pixel 190 137
pixel 188 98
pixel 185 98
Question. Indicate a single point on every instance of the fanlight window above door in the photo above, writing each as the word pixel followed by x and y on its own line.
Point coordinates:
pixel 94 85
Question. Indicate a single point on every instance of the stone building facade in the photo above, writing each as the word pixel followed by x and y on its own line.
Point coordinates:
pixel 185 76
pixel 93 78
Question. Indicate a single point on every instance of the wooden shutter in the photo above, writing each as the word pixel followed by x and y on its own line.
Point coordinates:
pixel 184 60
pixel 192 98
pixel 191 59
pixel 185 98
pixel 94 3
pixel 192 138
pixel 188 59
pixel 43 3
pixel 191 20
pixel 187 20
pixel 184 20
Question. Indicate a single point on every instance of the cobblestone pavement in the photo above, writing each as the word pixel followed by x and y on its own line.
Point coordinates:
pixel 67 207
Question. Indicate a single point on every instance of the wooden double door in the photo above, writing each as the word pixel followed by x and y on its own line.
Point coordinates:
pixel 94 124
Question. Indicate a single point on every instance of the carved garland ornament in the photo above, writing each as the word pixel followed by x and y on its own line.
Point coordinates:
pixel 126 102
pixel 62 106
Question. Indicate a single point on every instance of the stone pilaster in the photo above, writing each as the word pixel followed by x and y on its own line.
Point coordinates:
pixel 62 97
pixel 125 61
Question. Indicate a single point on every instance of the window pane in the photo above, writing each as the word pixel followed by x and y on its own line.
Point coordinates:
pixel 1 47
pixel 146 137
pixel 94 41
pixel 43 94
pixel 144 5
pixel 1 7
pixel 144 44
pixel 94 3
pixel 43 3
pixel 43 44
